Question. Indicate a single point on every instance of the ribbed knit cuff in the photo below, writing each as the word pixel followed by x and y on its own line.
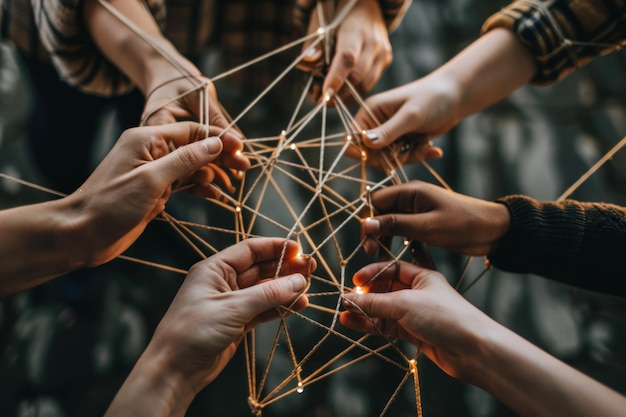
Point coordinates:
pixel 538 230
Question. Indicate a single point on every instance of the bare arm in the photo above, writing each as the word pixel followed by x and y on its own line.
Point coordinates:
pixel 222 297
pixel 482 74
pixel 142 63
pixel 110 210
pixel 467 344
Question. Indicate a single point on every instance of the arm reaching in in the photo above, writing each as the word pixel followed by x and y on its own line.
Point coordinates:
pixel 362 50
pixel 167 87
pixel 577 243
pixel 433 215
pixel 110 210
pixel 467 344
pixel 221 299
pixel 485 72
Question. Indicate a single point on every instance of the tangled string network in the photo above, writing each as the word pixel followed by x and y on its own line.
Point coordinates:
pixel 303 186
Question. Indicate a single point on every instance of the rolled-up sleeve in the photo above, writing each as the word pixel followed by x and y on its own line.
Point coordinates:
pixel 72 51
pixel 563 35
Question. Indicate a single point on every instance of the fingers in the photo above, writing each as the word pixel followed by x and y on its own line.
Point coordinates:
pixel 256 259
pixel 408 197
pixel 342 65
pixel 394 275
pixel 159 117
pixel 186 160
pixel 399 124
pixel 270 294
pixel 379 305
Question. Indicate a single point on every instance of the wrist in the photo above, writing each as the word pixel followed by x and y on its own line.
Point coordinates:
pixel 499 218
pixel 480 364
pixel 162 389
pixel 159 71
pixel 71 236
pixel 446 94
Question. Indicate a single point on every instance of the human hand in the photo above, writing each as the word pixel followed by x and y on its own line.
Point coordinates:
pixel 431 214
pixel 134 181
pixel 181 98
pixel 222 298
pixel 418 305
pixel 408 117
pixel 362 50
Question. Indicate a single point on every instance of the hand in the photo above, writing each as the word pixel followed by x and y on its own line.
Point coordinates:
pixel 221 299
pixel 408 117
pixel 467 344
pixel 362 50
pixel 134 181
pixel 436 216
pixel 180 99
pixel 421 308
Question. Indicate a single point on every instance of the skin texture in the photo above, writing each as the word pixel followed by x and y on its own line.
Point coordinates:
pixel 154 75
pixel 423 308
pixel 431 214
pixel 485 72
pixel 362 50
pixel 221 299
pixel 90 226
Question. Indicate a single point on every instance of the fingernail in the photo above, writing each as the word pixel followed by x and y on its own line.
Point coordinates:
pixel 298 283
pixel 371 226
pixel 349 304
pixel 369 246
pixel 311 52
pixel 330 92
pixel 213 145
pixel 371 135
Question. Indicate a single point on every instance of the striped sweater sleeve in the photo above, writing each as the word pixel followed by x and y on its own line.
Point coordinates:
pixel 72 51
pixel 563 35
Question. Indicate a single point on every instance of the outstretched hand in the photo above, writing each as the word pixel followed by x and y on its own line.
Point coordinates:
pixel 408 118
pixel 362 50
pixel 421 308
pixel 184 98
pixel 134 181
pixel 221 299
pixel 438 217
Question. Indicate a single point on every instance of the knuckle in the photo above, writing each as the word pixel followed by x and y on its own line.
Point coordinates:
pixel 271 292
pixel 187 156
pixel 348 58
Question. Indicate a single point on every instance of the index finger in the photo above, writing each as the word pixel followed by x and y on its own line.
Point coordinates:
pixel 181 133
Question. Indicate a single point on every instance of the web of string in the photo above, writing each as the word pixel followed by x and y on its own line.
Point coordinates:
pixel 265 154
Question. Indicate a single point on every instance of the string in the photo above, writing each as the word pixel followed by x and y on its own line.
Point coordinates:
pixel 323 193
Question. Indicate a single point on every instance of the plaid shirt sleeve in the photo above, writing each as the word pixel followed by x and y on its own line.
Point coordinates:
pixel 393 12
pixel 563 34
pixel 77 59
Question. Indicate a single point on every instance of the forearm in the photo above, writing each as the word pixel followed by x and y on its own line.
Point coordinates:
pixel 579 244
pixel 487 71
pixel 39 242
pixel 144 64
pixel 533 383
pixel 152 389
pixel 563 35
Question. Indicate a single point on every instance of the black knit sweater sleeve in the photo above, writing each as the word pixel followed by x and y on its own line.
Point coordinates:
pixel 579 244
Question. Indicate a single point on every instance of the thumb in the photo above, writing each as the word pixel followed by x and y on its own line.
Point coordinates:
pixel 388 132
pixel 270 294
pixel 187 159
pixel 379 305
pixel 409 225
